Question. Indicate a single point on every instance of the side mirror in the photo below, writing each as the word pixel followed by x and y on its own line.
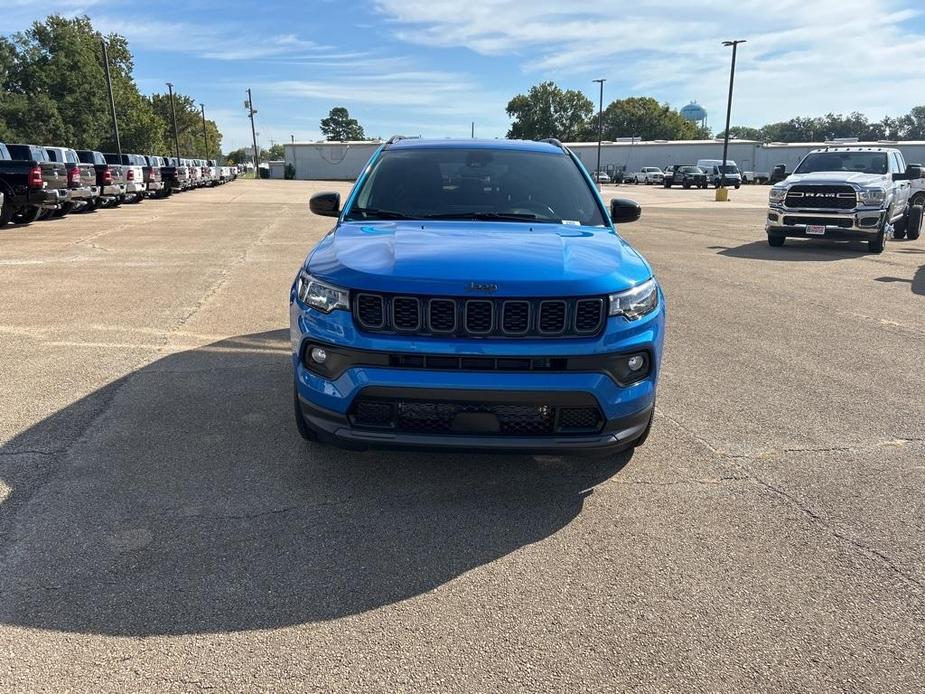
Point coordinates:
pixel 325 204
pixel 623 211
pixel 915 171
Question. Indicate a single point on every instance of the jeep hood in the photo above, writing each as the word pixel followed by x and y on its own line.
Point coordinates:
pixel 444 257
pixel 840 177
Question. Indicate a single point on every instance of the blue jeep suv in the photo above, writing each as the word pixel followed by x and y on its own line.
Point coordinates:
pixel 475 295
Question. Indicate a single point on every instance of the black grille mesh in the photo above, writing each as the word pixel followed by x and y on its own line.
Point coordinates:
pixel 588 313
pixel 370 310
pixel 442 316
pixel 406 313
pixel 579 418
pixel 479 317
pixel 515 317
pixel 422 315
pixel 552 317
pixel 822 197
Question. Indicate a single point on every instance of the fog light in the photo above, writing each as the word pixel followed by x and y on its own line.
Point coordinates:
pixel 636 362
pixel 319 356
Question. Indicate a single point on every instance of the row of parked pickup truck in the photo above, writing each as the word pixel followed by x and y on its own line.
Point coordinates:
pixel 36 181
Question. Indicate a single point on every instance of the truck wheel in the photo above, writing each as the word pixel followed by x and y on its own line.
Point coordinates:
pixel 685 185
pixel 914 223
pixel 776 241
pixel 877 244
pixel 6 212
pixel 26 215
pixel 667 185
pixel 738 185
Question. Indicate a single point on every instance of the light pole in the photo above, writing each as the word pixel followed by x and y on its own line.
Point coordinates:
pixel 205 132
pixel 112 101
pixel 721 192
pixel 600 131
pixel 249 104
pixel 173 111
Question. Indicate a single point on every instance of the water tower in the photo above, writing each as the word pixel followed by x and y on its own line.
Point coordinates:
pixel 695 113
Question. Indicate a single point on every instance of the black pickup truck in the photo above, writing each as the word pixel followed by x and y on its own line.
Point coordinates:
pixel 168 175
pixel 112 190
pixel 684 175
pixel 30 183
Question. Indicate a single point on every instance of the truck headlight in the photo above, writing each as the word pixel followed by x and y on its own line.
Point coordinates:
pixel 636 302
pixel 872 196
pixel 777 194
pixel 321 295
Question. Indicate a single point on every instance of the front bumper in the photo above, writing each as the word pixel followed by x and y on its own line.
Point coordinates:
pixel 859 224
pixel 462 375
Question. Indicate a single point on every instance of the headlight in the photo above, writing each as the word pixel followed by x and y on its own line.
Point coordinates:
pixel 777 194
pixel 636 302
pixel 320 295
pixel 872 196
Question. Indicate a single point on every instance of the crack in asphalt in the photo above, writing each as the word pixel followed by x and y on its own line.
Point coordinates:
pixel 870 553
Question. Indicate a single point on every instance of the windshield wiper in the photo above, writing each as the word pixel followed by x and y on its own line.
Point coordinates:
pixel 489 216
pixel 377 213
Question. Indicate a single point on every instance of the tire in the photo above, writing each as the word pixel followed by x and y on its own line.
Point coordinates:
pixel 667 185
pixel 66 208
pixel 914 223
pixel 25 215
pixel 899 229
pixel 738 185
pixel 300 424
pixel 776 241
pixel 703 185
pixel 685 185
pixel 877 245
pixel 6 212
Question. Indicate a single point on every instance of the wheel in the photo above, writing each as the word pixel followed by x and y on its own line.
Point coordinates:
pixel 685 185
pixel 26 215
pixel 304 431
pixel 899 228
pixel 738 185
pixel 703 185
pixel 667 185
pixel 876 245
pixel 635 181
pixel 66 208
pixel 776 241
pixel 914 223
pixel 6 212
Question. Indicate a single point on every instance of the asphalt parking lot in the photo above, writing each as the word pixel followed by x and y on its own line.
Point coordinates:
pixel 164 528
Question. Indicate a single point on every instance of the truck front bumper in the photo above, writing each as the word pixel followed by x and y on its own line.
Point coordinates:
pixel 861 225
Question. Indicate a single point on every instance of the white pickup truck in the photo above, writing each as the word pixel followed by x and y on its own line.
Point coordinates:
pixel 650 175
pixel 848 193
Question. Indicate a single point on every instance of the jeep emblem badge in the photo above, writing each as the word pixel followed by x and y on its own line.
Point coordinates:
pixel 488 287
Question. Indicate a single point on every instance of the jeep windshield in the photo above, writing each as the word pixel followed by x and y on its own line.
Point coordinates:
pixel 857 162
pixel 476 183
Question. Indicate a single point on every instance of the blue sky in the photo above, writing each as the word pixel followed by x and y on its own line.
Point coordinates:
pixel 431 67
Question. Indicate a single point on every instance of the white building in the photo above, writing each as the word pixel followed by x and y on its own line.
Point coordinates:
pixel 345 160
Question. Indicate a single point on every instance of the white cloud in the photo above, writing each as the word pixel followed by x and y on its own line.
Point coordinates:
pixel 802 57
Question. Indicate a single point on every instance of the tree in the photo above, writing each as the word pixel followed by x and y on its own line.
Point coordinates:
pixel 548 111
pixel 276 153
pixel 646 118
pixel 741 132
pixel 189 126
pixel 340 127
pixel 238 156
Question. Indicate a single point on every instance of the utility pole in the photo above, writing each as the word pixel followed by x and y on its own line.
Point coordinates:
pixel 249 105
pixel 112 101
pixel 173 111
pixel 721 196
pixel 600 131
pixel 205 131
pixel 473 130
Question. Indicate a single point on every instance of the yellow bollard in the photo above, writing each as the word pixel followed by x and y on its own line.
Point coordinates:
pixel 722 194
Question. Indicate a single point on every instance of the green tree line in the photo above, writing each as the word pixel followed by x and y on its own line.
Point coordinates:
pixel 53 92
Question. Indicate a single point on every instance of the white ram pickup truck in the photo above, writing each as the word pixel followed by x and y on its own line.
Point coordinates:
pixel 650 175
pixel 848 193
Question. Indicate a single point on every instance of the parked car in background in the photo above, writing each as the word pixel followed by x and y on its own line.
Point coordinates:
pixel 719 176
pixel 225 174
pixel 181 181
pixel 109 178
pixel 778 174
pixel 151 175
pixel 650 175
pixel 601 177
pixel 752 177
pixel 848 194
pixel 684 175
pixel 195 173
pixel 24 188
pixel 53 175
pixel 215 173
pixel 167 176
pixel 134 176
pixel 81 180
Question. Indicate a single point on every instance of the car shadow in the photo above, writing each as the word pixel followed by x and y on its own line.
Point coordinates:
pixel 180 499
pixel 917 283
pixel 794 250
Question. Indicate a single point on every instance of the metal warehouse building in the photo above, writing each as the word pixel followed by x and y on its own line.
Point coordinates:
pixel 344 160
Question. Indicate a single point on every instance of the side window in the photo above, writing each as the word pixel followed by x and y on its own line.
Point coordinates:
pixel 900 162
pixel 70 156
pixel 52 154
